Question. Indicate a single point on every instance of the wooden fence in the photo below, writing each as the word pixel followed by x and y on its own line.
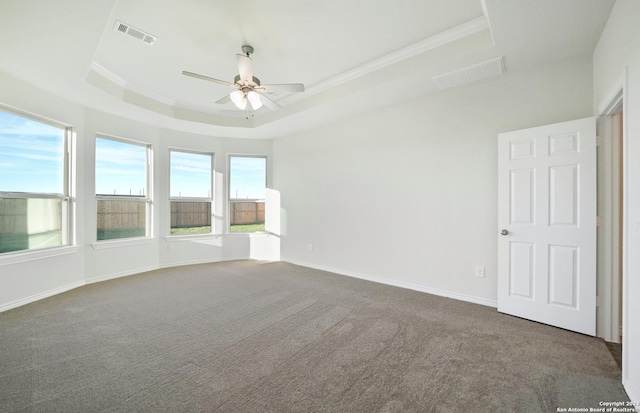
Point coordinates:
pixel 117 214
pixel 121 214
pixel 190 214
pixel 246 212
pixel 30 215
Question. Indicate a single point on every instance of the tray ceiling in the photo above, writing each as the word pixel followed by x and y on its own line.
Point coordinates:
pixel 352 56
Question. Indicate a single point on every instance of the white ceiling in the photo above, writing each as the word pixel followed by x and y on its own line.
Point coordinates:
pixel 353 56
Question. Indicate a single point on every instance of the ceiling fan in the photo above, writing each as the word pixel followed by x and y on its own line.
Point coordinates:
pixel 249 92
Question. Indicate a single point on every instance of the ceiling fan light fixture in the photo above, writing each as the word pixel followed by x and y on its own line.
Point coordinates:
pixel 238 99
pixel 254 98
pixel 245 97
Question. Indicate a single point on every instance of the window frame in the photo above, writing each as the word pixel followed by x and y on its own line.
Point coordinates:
pixel 210 199
pixel 147 197
pixel 67 219
pixel 266 180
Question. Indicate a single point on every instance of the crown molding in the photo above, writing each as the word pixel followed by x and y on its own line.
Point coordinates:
pixel 112 77
pixel 459 32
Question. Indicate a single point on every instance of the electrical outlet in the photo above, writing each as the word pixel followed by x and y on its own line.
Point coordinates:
pixel 170 247
pixel 480 271
pixel 310 247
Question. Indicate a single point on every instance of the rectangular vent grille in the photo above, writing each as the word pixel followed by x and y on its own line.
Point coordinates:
pixel 480 71
pixel 136 33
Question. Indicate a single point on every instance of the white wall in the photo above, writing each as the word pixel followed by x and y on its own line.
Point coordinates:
pixel 25 277
pixel 616 64
pixel 408 195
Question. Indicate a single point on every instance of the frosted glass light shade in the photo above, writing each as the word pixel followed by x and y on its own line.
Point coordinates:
pixel 254 98
pixel 238 99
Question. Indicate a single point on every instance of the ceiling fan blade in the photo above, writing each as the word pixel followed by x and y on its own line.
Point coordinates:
pixel 287 87
pixel 244 68
pixel 223 100
pixel 210 79
pixel 269 103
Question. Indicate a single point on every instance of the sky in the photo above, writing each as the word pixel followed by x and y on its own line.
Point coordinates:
pixel 190 174
pixel 121 168
pixel 248 177
pixel 31 160
pixel 31 156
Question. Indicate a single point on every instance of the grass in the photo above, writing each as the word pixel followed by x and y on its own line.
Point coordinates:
pixel 247 228
pixel 10 242
pixel 20 242
pixel 105 234
pixel 207 229
pixel 191 230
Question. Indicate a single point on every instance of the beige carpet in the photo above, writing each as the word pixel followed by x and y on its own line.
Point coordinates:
pixel 246 336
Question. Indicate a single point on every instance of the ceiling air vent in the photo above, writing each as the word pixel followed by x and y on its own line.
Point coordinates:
pixel 484 70
pixel 133 32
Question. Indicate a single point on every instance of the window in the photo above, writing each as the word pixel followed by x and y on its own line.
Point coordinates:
pixel 247 183
pixel 122 182
pixel 34 183
pixel 190 178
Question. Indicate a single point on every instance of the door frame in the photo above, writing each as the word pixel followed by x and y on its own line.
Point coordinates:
pixel 609 223
pixel 607 107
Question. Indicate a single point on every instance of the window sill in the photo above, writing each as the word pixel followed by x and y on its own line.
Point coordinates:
pixel 32 255
pixel 100 245
pixel 178 238
pixel 244 234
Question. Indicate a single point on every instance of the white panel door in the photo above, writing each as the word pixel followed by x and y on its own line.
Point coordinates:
pixel 547 224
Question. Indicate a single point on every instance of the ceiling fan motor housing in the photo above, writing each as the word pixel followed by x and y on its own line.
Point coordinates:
pixel 255 80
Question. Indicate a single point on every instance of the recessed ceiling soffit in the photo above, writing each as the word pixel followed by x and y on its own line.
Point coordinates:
pixel 316 94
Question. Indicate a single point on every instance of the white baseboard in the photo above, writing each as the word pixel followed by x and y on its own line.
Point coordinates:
pixel 381 280
pixel 126 273
pixel 40 296
pixel 206 261
pixel 157 267
pixel 396 283
pixel 36 297
pixel 633 393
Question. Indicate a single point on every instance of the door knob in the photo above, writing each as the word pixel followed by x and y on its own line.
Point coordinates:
pixel 504 232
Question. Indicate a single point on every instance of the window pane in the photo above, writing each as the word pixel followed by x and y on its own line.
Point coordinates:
pixel 121 168
pixel 248 177
pixel 124 218
pixel 30 223
pixel 247 182
pixel 190 217
pixel 190 175
pixel 34 153
pixel 121 171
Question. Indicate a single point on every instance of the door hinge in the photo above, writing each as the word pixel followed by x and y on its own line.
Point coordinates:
pixel 598 221
pixel 598 141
